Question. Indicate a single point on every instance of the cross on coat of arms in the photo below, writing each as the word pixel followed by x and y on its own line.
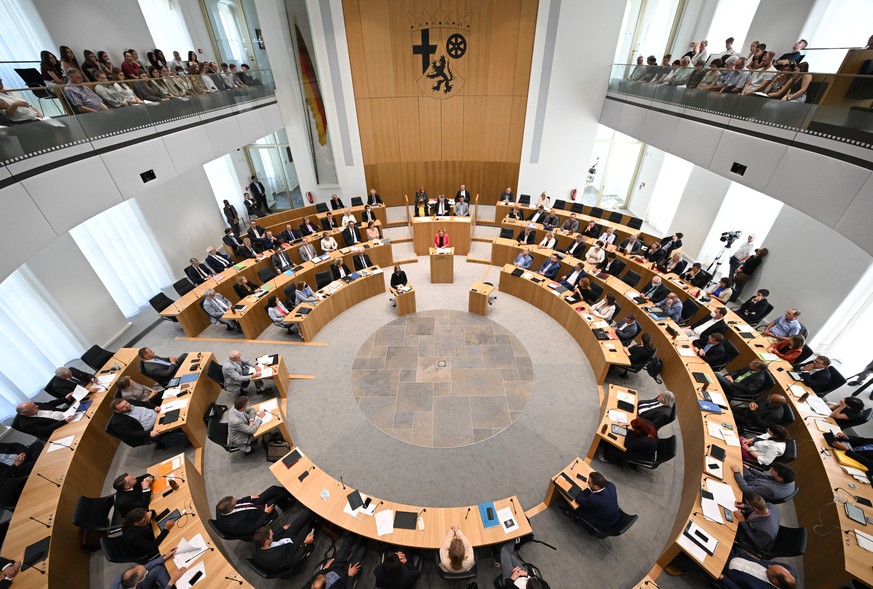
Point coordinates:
pixel 439 44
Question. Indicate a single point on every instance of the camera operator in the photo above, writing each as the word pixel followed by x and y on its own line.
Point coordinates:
pixel 743 252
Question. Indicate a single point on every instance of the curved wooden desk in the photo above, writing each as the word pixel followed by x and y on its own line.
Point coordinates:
pixel 622 230
pixel 436 521
pixel 277 221
pixel 460 230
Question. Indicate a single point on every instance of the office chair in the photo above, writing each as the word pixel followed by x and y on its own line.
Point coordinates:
pixel 357 201
pixel 596 212
pixel 159 302
pixel 837 380
pixel 10 492
pixel 465 576
pixel 805 355
pixel 492 297
pixel 321 207
pixel 577 207
pixel 666 451
pixel 637 368
pixel 267 274
pixel 322 279
pixel 524 199
pixel 506 233
pixel 224 535
pixel 216 431
pixel 862 419
pixel 93 513
pixel 631 278
pixel 32 78
pixel 615 217
pixel 284 573
pixel 559 204
pixel 635 223
pixel 787 498
pixel 596 291
pixel 215 372
pixel 183 286
pixel 96 357
pixel 789 542
pixel 115 550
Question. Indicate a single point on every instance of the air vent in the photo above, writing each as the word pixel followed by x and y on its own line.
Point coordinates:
pixel 738 169
pixel 148 176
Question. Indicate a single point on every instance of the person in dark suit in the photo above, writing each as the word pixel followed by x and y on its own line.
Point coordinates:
pixel 712 350
pixel 259 194
pixel 65 381
pixel 712 323
pixel 598 504
pixel 368 215
pixel 441 208
pixel 398 277
pixel 628 329
pixel 336 203
pixel 538 215
pixel 746 270
pixel 856 448
pixel 642 352
pixel 572 279
pixel 134 422
pixel 591 230
pixel 338 269
pixel 577 248
pixel 373 199
pixel 527 235
pixel 247 250
pixel 231 241
pixel 654 290
pixel 269 242
pixel 289 235
pixel 744 572
pixel 218 261
pixel 361 261
pixel 280 260
pixel 18 459
pixel 159 368
pixel 138 535
pixel 631 245
pixel 198 273
pixel 329 223
pixel 695 275
pixel 611 265
pixel 816 374
pixel 347 564
pixel 672 242
pixel 396 571
pixel 765 411
pixel 282 548
pixel 551 221
pixel 462 191
pixel 243 516
pixel 132 492
pixel 40 419
pixel 658 410
pixel 351 235
pixel 307 227
pixel 8 570
pixel 255 232
pixel 231 215
pixel 550 267
pixel 743 382
pixel 753 309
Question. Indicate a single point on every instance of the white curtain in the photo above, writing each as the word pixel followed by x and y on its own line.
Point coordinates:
pixel 167 26
pixel 35 340
pixel 121 248
pixel 22 37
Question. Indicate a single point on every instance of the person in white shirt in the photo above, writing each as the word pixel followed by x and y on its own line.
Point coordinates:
pixel 515 570
pixel 16 108
pixel 549 240
pixel 605 308
pixel 543 201
pixel 347 217
pixel 328 243
pixel 595 255
pixel 714 317
pixel 739 256
pixel 608 236
pixel 702 53
pixel 760 77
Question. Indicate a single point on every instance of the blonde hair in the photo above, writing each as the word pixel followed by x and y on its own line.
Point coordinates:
pixel 456 553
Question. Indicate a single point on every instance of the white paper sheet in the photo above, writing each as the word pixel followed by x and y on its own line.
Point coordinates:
pixel 185 581
pixel 767 357
pixel 714 467
pixel 693 550
pixel 817 405
pixel 385 522
pixel 711 510
pixel 865 541
pixel 797 390
pixel 617 416
pixel 626 397
pixel 265 360
pixel 714 430
pixel 105 379
pixel 267 418
pixel 72 409
pixel 170 393
pixel 827 426
pixel 723 494
pixel 356 512
pixel 271 405
pixel 80 393
pixel 173 405
pixel 730 438
pixel 718 399
pixel 507 519
pixel 57 444
pixel 177 463
pixel 266 373
pixel 600 325
pixel 687 352
pixel 853 471
pixel 710 543
pixel 189 551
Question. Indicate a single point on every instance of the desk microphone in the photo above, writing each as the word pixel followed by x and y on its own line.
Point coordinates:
pixel 175 476
pixel 423 509
pixel 274 415
pixel 342 483
pixel 468 513
pixel 55 483
pixel 512 500
pixel 574 464
pixel 41 522
pixel 72 448
pixel 816 417
pixel 234 579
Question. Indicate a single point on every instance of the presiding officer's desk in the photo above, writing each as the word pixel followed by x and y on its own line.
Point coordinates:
pixel 190 497
pixel 71 473
pixel 459 230
pixel 276 222
pixel 433 522
pixel 342 297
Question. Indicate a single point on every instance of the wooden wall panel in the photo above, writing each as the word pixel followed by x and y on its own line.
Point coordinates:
pixel 411 136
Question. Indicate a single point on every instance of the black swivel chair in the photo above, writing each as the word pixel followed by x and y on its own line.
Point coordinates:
pixel 804 355
pixel 862 419
pixel 224 535
pixel 115 550
pixel 635 223
pixel 524 199
pixel 787 498
pixel 837 380
pixel 215 372
pixel 96 357
pixel 637 368
pixel 730 352
pixel 624 523
pixel 216 431
pixel 506 233
pixel 596 291
pixel 456 577
pixel 417 561
pixel 666 451
pixel 267 274
pixel 631 278
pixel 32 78
pixel 789 542
pixel 10 491
pixel 93 513
pixel 559 204
pixel 615 217
pixel 322 279
pixel 357 201
pixel 284 573
pixel 321 207
pixel 619 266
pixel 689 309
pixel 183 286
pixel 577 207
pixel 159 302
pixel 596 212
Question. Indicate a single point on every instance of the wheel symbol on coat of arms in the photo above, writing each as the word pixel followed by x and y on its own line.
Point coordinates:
pixel 456 46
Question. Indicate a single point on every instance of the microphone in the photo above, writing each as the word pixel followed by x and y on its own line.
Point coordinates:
pixel 423 509
pixel 342 483
pixel 207 549
pixel 574 464
pixel 234 579
pixel 55 483
pixel 42 522
pixel 468 513
pixel 72 448
pixel 512 500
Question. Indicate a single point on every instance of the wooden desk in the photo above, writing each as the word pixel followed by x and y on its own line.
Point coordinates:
pixel 604 428
pixel 72 474
pixel 279 376
pixel 460 230
pixel 622 230
pixel 191 498
pixel 343 298
pixel 405 301
pixel 277 421
pixel 442 266
pixel 276 222
pixel 561 485
pixel 202 392
pixel 479 294
pixel 436 520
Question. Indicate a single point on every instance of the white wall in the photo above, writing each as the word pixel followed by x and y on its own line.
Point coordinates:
pixel 694 25
pixel 650 167
pixel 575 94
pixel 779 24
pixel 698 208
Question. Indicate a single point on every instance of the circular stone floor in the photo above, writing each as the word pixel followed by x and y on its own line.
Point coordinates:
pixel 444 380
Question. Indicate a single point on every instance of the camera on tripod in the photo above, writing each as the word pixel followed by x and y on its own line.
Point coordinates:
pixel 729 237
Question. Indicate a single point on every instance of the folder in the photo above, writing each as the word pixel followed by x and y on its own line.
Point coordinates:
pixel 405 520
pixel 36 552
pixel 488 513
pixel 846 461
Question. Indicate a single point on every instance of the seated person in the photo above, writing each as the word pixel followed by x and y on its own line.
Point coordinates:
pixel 337 572
pixel 216 305
pixel 672 306
pixel 696 276
pixel 134 424
pixel 441 208
pixel 329 223
pixel 231 241
pixel 507 196
pixel 592 230
pixel 577 248
pixel 538 215
pixel 65 381
pixel 247 251
pixel 788 349
pixel 743 382
pixel 785 326
pixel 421 208
pixel 307 250
pixel 339 269
pixel 628 329
pixel 351 234
pixel 753 309
pixel 159 368
pixel 151 575
pixel 242 423
pixel 245 515
pixel 328 243
pixel 550 267
pixel 856 448
pixel 17 460
pixel 640 353
pixel 631 245
pixel 654 254
pixel 282 548
pixel 368 216
pixel 672 264
pixel 758 522
pixel 244 288
pixel 373 199
pixel 763 412
pixel 132 492
pixel 641 443
pixel 711 349
pixel 551 221
pixel 336 203
pixel 657 410
pixel 304 294
pixel 515 572
pixel 40 419
pixel 746 572
pixel 766 448
pixel 198 273
pixel 347 218
pixel 238 374
pixel 582 291
pixel 276 310
pixel 572 279
pixel 307 227
pixel 441 239
pixel 548 240
pixel 456 552
pixel 816 374
pixel 608 236
pixel 361 261
pixel 523 260
pixel 598 504
pixel 138 535
pixel 289 234
pixel 611 265
pixel 722 291
pixel 134 391
pixel 775 485
pixel 280 260
pixel 255 232
pixel 848 409
pixel 398 278
pixel 462 209
pixel 712 323
pixel 605 308
pixel 571 225
pixel 596 254
pixel 527 235
pixel 372 231
pixel 654 290
pixel 218 261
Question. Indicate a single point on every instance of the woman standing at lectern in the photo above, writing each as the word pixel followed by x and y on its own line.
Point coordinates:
pixel 441 239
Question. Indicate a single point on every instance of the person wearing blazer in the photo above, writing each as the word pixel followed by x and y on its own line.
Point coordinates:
pixel 816 374
pixel 361 261
pixel 23 461
pixel 268 242
pixel 198 273
pixel 398 572
pixel 550 267
pixel 283 548
pixel 538 216
pixel 133 422
pixel 289 235
pixel 247 250
pixel 40 419
pixel 259 194
pixel 441 207
pixel 441 239
pixel 138 535
pixel 628 330
pixel 351 235
pixel 231 241
pixel 755 307
pixel 65 381
pixel 577 249
pixel 328 223
pixel 243 516
pixel 738 573
pixel 217 261
pixel 280 261
pixel 658 410
pixel 631 245
pixel 338 269
pixel 244 288
pixel 611 265
pixel 343 567
pixel 462 191
pixel 373 199
pixel 527 235
pixel 255 232
pixel 713 350
pixel 598 504
pixel 132 492
pixel 654 290
pixel 307 228
pixel 158 367
pixel 242 423
pixel 743 382
pixel 516 214
pixel 336 203
pixel 712 323
pixel 368 215
pixel 307 251
pixel 216 305
pixel 696 276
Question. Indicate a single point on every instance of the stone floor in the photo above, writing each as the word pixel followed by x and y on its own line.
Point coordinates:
pixel 457 379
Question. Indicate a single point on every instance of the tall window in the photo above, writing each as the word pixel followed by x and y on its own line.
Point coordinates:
pixel 22 37
pixel 668 191
pixel 836 23
pixel 226 184
pixel 731 19
pixel 121 248
pixel 844 337
pixel 35 340
pixel 166 23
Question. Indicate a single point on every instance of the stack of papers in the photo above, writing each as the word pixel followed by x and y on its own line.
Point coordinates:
pixel 185 581
pixel 730 437
pixel 265 360
pixel 797 390
pixel 173 405
pixel 105 380
pixel 864 541
pixel 507 520
pixel 767 357
pixel 80 393
pixel 600 325
pixel 385 522
pixel 62 444
pixel 715 430
pixel 189 550
pixel 173 392
pixel 617 416
pixel 368 511
pixel 687 352
pixel 711 510
pixel 722 493
pixel 718 399
pixel 626 397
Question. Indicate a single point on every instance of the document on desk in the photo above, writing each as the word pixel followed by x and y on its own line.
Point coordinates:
pixel 714 430
pixel 185 581
pixel 170 393
pixel 105 379
pixel 507 520
pixel 687 352
pixel 723 493
pixel 626 397
pixel 80 393
pixel 271 405
pixel 385 522
pixel 714 467
pixel 701 537
pixel 718 399
pixel 62 444
pixel 730 437
pixel 173 405
pixel 711 510
pixel 617 416
pixel 865 541
pixel 692 549
pixel 189 550
pixel 797 390
pixel 817 405
pixel 600 325
pixel 767 357
pixel 266 373
pixel 361 510
pixel 827 426
pixel 71 410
